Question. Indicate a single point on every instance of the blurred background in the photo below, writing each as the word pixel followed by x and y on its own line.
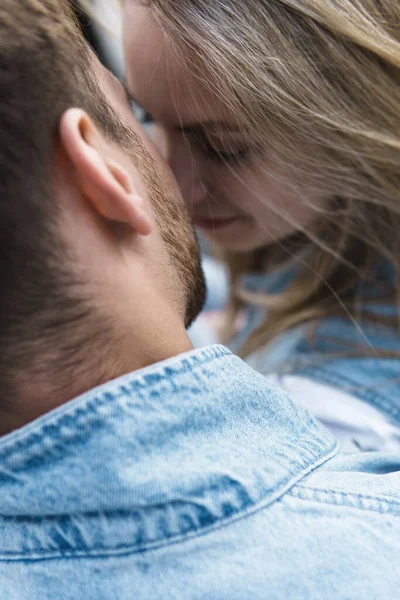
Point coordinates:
pixel 103 32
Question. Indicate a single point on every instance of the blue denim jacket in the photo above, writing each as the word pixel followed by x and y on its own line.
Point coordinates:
pixel 193 479
pixel 332 356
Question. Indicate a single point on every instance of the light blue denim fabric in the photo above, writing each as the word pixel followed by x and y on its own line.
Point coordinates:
pixel 194 479
pixel 374 380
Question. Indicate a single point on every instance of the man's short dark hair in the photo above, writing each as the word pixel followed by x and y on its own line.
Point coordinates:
pixel 45 68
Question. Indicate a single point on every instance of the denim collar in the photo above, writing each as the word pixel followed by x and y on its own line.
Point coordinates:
pixel 171 450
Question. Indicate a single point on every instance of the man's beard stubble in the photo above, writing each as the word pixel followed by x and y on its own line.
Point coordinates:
pixel 183 250
pixel 180 240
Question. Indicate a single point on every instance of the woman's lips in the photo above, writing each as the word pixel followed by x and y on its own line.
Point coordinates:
pixel 213 224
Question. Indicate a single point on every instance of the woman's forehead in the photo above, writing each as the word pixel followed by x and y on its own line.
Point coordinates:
pixel 159 79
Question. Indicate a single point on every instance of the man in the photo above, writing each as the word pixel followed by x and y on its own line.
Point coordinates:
pixel 89 224
pixel 174 473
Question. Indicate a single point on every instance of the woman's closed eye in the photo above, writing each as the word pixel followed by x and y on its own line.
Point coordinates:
pixel 227 153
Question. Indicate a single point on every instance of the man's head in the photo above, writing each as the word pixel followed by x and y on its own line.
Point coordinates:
pixel 98 261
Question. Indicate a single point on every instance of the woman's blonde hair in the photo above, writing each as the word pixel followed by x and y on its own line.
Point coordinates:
pixel 317 84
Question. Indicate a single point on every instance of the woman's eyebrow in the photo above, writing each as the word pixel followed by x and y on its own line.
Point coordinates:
pixel 192 128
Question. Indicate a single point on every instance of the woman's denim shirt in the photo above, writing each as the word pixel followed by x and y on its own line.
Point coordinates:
pixel 333 353
pixel 193 479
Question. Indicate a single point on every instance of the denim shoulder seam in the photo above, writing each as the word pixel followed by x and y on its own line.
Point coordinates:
pixel 381 504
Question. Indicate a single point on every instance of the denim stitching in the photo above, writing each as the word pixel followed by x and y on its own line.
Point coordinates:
pixel 20 441
pixel 383 505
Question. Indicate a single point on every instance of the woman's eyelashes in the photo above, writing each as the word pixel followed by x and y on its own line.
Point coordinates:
pixel 225 156
pixel 232 154
pixel 228 157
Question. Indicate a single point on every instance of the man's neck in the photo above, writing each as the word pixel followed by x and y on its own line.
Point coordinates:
pixel 155 339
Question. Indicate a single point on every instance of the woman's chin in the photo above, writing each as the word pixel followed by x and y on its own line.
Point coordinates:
pixel 244 235
pixel 238 236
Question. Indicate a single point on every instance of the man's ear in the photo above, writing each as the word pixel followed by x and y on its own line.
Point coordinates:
pixel 104 183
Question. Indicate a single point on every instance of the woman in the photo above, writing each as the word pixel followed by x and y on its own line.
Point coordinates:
pixel 281 122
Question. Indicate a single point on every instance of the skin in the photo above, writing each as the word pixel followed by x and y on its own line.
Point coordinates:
pixel 242 201
pixel 144 284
